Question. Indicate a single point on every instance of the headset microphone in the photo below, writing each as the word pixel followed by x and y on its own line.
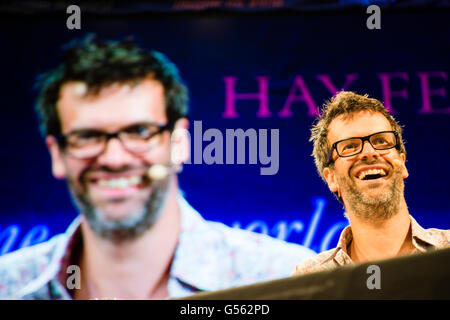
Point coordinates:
pixel 161 171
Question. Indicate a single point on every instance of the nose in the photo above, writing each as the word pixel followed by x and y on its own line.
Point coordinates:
pixel 115 155
pixel 368 151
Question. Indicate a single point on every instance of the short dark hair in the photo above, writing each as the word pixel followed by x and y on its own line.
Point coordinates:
pixel 99 63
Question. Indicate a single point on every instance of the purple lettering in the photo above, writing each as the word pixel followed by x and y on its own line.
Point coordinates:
pixel 427 92
pixel 388 94
pixel 305 96
pixel 231 96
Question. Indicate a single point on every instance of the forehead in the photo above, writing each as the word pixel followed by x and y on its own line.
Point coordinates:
pixel 115 106
pixel 358 124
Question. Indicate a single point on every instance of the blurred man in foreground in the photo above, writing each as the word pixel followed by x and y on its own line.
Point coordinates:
pixel 359 153
pixel 109 114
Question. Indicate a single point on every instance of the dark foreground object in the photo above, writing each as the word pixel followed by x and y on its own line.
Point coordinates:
pixel 418 276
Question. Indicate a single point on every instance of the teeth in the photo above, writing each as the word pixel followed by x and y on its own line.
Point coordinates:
pixel 363 174
pixel 120 182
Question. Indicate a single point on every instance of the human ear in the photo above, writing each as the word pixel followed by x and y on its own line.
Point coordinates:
pixel 58 167
pixel 180 142
pixel 405 172
pixel 330 178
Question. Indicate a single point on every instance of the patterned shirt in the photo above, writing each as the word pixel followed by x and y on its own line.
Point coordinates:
pixel 422 239
pixel 209 256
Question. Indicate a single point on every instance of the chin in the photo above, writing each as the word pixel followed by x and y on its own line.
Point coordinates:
pixel 117 211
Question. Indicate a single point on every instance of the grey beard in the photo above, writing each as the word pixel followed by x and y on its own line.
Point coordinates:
pixel 129 228
pixel 373 209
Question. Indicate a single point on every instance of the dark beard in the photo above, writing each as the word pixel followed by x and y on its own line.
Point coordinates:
pixel 128 228
pixel 375 209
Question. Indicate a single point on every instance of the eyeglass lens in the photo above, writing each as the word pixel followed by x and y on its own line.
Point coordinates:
pixel 90 143
pixel 379 141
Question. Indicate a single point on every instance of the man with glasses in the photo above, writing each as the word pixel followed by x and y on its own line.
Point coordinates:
pixel 115 118
pixel 359 153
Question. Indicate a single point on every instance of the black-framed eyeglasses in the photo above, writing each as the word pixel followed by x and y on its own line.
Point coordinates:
pixel 90 143
pixel 352 146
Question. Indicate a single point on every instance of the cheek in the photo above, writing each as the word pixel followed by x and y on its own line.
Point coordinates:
pixel 339 177
pixel 344 169
pixel 75 169
pixel 160 153
pixel 398 164
pixel 343 179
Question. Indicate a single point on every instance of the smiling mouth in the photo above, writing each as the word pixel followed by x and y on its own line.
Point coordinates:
pixel 120 182
pixel 371 174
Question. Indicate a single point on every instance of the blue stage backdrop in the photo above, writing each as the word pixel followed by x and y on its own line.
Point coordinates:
pixel 264 71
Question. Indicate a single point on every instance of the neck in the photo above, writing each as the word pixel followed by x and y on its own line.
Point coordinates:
pixel 381 239
pixel 134 269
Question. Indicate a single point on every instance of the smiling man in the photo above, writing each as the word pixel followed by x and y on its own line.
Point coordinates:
pixel 110 115
pixel 359 152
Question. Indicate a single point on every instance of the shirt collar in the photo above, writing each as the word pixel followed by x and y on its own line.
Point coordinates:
pixel 426 239
pixel 200 259
pixel 72 249
pixel 341 254
pixel 54 267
